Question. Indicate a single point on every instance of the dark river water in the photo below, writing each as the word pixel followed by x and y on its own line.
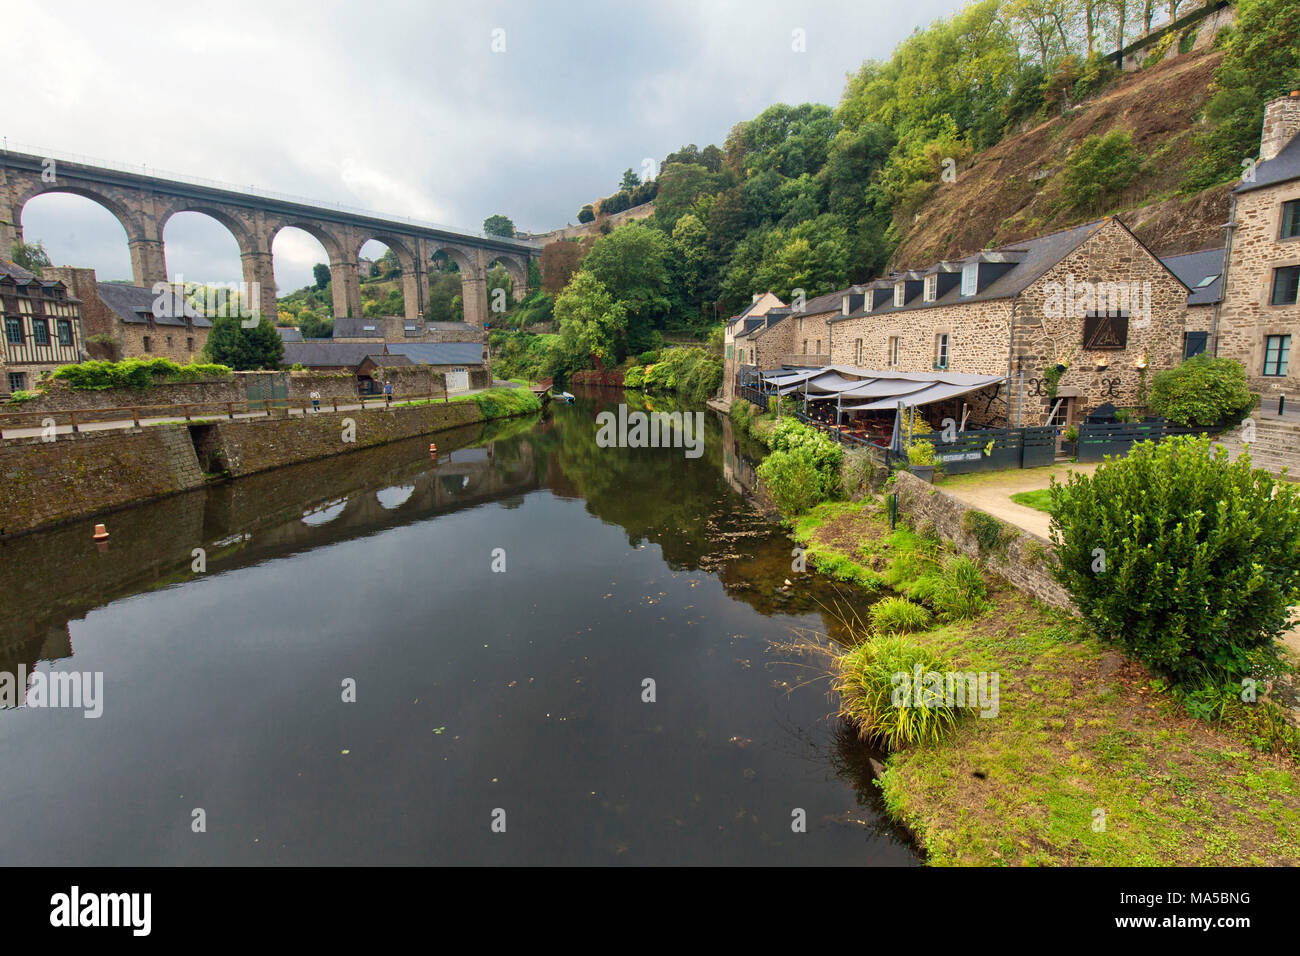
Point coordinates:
pixel 510 698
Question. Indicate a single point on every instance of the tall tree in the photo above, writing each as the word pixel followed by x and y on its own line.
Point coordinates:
pixel 499 225
pixel 592 323
pixel 244 350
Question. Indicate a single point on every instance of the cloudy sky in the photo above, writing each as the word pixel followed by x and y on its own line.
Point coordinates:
pixel 404 108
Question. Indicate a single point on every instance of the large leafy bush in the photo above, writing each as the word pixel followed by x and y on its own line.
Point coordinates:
pixel 1189 560
pixel 1203 390
pixel 803 469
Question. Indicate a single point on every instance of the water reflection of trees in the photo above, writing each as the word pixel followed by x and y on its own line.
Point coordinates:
pixel 684 506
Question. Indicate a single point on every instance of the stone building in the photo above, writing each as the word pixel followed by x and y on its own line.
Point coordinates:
pixel 737 326
pixel 794 335
pixel 129 321
pixel 1259 315
pixel 1092 299
pixel 456 365
pixel 42 327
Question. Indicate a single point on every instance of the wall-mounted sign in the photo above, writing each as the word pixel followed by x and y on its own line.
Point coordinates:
pixel 1103 332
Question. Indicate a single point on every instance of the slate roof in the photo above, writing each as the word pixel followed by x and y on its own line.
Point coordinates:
pixel 23 277
pixel 1192 268
pixel 356 328
pixel 1029 258
pixel 439 353
pixel 135 304
pixel 1282 168
pixel 323 353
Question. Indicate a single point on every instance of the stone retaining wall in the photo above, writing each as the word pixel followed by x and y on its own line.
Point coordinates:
pixel 45 482
pixel 48 482
pixel 247 447
pixel 1021 558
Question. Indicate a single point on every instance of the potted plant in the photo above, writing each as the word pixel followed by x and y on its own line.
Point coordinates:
pixel 921 460
pixel 1071 439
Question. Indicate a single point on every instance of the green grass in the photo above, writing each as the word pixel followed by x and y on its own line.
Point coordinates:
pixel 1040 499
pixel 1080 731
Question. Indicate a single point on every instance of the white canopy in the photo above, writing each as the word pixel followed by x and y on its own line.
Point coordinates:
pixel 933 392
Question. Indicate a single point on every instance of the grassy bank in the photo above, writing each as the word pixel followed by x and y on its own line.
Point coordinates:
pixel 495 402
pixel 1081 732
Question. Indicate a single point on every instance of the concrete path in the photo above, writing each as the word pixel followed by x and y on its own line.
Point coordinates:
pixel 992 491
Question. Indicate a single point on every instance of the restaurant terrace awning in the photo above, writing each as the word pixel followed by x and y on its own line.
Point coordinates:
pixel 934 392
pixel 883 389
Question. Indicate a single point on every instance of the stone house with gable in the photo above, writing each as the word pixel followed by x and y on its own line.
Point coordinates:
pixel 1092 298
pixel 130 321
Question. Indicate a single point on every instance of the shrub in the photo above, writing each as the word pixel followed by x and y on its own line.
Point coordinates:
pixel 870 682
pixel 134 373
pixel 1203 390
pixel 803 469
pixel 920 453
pixel 692 373
pixel 1197 558
pixel 896 615
pixel 1101 167
pixel 792 479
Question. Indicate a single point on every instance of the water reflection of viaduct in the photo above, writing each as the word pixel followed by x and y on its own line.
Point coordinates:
pixel 51 578
pixel 143 204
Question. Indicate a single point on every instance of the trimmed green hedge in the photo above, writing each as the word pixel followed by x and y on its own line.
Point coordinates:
pixel 134 373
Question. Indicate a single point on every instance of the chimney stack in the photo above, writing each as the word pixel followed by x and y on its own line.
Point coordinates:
pixel 1281 124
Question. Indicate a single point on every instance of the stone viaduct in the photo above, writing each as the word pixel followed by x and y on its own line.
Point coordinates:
pixel 143 203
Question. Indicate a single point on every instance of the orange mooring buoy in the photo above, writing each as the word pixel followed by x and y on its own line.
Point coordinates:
pixel 101 533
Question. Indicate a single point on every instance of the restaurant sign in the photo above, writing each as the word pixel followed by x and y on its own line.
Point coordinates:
pixel 1102 331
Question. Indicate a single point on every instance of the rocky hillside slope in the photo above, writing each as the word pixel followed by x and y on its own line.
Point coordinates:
pixel 1016 189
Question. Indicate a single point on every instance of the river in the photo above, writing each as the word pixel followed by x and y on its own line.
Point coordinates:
pixel 496 617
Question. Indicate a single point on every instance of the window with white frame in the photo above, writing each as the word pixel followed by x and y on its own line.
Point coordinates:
pixel 969 274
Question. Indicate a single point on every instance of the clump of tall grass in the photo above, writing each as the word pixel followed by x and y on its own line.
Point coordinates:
pixel 874 682
pixel 956 591
pixel 896 615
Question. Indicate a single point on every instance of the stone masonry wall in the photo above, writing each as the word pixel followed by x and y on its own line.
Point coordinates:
pixel 1110 255
pixel 251 446
pixel 46 482
pixel 1246 318
pixel 1024 561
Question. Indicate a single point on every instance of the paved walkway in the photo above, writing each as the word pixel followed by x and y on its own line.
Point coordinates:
pixel 992 491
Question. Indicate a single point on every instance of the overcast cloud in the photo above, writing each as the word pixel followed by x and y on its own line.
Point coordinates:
pixel 404 108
